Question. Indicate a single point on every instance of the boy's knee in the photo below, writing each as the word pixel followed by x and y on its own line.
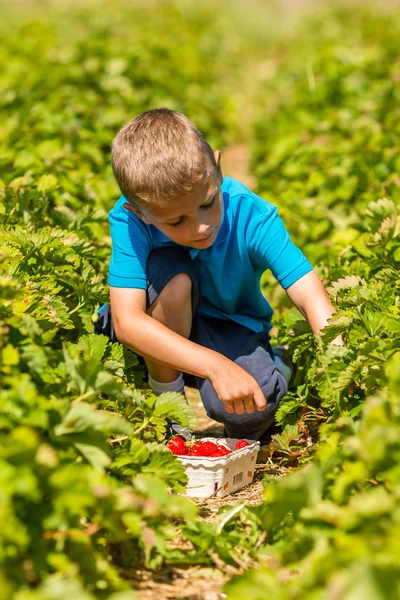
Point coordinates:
pixel 247 425
pixel 176 292
pixel 178 289
pixel 264 371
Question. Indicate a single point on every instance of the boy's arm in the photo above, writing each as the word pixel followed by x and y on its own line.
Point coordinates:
pixel 146 336
pixel 153 340
pixel 312 300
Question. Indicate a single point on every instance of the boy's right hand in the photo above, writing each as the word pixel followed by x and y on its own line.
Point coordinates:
pixel 236 388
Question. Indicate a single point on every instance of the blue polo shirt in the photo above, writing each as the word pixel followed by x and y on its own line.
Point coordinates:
pixel 252 239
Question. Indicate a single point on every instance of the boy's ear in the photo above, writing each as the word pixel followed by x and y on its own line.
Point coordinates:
pixel 217 156
pixel 136 212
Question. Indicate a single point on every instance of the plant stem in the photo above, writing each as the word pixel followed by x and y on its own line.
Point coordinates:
pixel 143 425
pixel 83 396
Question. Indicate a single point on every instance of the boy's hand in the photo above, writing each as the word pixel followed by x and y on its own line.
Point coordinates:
pixel 338 341
pixel 237 389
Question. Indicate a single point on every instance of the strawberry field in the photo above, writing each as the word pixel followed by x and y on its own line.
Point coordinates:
pixel 89 492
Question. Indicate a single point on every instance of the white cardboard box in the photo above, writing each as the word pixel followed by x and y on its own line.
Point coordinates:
pixel 220 475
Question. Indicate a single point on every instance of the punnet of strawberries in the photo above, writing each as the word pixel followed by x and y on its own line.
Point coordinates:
pixel 180 447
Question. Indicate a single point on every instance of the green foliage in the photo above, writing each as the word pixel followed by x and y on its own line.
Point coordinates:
pixel 327 137
pixel 86 482
pixel 71 425
pixel 327 155
pixel 365 292
pixel 333 527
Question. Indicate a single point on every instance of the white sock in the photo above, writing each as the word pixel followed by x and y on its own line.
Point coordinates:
pixel 285 370
pixel 173 386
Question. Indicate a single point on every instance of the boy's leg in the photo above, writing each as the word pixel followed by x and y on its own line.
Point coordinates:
pixel 172 308
pixel 173 296
pixel 251 351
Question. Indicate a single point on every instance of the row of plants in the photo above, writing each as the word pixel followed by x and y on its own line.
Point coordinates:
pixel 332 526
pixel 326 139
pixel 326 152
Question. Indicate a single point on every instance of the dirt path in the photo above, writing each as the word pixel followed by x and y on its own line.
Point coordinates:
pixel 235 161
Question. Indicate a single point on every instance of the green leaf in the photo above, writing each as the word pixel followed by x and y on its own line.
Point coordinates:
pixel 93 345
pixel 365 581
pixel 57 587
pixel 10 356
pixel 166 466
pixel 94 455
pixel 82 417
pixel 175 407
pixel 47 183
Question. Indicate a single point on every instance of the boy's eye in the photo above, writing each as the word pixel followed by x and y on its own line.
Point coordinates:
pixel 210 203
pixel 177 223
pixel 205 206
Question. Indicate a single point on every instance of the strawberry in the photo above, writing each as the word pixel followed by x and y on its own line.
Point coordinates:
pixel 208 448
pixel 195 449
pixel 222 451
pixel 241 444
pixel 177 445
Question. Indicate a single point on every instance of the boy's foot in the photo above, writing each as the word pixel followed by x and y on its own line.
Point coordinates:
pixel 173 428
pixel 283 362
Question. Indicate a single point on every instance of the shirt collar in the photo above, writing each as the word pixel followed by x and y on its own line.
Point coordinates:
pixel 159 236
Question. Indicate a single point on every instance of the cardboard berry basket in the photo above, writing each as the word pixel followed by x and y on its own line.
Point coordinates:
pixel 221 475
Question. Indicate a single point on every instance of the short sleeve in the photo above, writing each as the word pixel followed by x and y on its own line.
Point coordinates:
pixel 131 246
pixel 271 248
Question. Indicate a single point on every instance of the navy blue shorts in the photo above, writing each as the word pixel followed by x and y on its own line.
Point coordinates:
pixel 251 350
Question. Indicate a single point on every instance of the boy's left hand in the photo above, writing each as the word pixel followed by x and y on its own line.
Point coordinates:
pixel 338 341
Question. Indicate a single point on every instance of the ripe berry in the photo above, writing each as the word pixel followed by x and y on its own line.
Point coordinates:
pixel 222 451
pixel 195 449
pixel 177 445
pixel 208 448
pixel 241 444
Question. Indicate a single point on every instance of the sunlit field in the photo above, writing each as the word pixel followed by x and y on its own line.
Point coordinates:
pixel 303 100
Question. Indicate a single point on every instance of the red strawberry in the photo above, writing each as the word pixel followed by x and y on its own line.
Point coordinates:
pixel 177 445
pixel 241 444
pixel 195 449
pixel 208 448
pixel 196 446
pixel 222 451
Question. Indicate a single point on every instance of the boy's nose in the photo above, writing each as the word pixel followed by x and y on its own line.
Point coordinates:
pixel 203 230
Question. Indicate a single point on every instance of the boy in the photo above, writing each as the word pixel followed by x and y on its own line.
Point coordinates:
pixel 188 250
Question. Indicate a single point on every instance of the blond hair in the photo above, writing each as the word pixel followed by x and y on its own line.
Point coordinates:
pixel 159 155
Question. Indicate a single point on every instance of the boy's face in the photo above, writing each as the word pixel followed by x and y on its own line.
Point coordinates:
pixel 194 218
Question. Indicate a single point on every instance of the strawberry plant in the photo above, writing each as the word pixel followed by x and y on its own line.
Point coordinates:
pixel 87 481
pixel 327 157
